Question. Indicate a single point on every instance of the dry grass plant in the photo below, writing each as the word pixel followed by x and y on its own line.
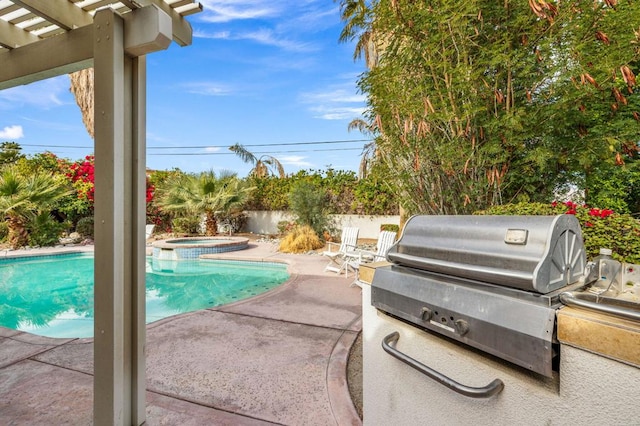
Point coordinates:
pixel 300 239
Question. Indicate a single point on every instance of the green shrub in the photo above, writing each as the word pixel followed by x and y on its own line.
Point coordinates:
pixel 601 228
pixel 307 201
pixel 285 226
pixel 45 231
pixel 345 193
pixel 389 227
pixel 85 227
pixel 186 225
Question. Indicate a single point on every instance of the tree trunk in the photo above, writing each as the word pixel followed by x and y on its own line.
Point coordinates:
pixel 18 236
pixel 211 224
pixel 82 89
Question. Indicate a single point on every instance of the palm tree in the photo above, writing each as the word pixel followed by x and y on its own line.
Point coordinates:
pixel 358 20
pixel 262 166
pixel 206 193
pixel 82 89
pixel 370 150
pixel 22 198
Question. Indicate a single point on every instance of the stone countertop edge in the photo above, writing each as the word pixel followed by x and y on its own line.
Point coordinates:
pixel 599 333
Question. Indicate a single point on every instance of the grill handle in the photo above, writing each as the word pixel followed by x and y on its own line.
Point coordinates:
pixel 570 298
pixel 491 389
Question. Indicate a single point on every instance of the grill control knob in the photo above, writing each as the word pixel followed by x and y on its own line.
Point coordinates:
pixel 426 314
pixel 461 326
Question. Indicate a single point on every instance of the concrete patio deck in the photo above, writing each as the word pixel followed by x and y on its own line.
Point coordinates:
pixel 278 358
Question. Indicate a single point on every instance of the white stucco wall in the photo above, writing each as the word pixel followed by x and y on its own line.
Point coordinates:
pixel 266 222
pixel 589 390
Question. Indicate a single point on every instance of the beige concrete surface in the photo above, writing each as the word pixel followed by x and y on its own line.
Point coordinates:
pixel 278 358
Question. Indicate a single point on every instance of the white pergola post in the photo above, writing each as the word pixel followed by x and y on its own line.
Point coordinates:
pixel 115 44
pixel 119 364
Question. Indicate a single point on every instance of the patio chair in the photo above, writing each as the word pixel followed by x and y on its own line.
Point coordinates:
pixel 355 259
pixel 148 230
pixel 348 242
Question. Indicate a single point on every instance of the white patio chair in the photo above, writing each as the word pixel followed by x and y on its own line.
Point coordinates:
pixel 355 259
pixel 348 243
pixel 148 230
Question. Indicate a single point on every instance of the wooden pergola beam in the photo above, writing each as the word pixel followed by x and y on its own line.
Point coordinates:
pixel 60 12
pixel 62 54
pixel 12 36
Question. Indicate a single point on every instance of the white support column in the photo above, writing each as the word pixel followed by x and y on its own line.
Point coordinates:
pixel 138 255
pixel 119 365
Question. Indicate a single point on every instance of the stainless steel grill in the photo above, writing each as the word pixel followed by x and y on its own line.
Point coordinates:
pixel 492 282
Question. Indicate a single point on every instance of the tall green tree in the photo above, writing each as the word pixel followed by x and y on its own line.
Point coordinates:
pixel 206 193
pixel 25 197
pixel 478 103
pixel 10 152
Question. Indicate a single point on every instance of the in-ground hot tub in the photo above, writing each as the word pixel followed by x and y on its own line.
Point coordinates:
pixel 192 248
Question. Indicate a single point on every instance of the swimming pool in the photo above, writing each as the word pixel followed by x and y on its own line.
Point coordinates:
pixel 53 295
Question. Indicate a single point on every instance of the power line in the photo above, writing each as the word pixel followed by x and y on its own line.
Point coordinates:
pixel 263 144
pixel 213 146
pixel 266 152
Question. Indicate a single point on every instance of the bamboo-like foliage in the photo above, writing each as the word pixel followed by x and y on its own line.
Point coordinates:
pixel 478 103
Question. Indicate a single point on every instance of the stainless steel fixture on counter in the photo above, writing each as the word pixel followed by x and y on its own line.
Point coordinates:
pixel 485 320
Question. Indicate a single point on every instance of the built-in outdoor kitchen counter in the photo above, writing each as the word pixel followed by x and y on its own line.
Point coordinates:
pixel 417 375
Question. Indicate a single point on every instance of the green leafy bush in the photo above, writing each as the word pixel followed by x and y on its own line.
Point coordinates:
pixel 186 225
pixel 285 226
pixel 389 227
pixel 85 227
pixel 601 228
pixel 307 201
pixel 45 231
pixel 345 193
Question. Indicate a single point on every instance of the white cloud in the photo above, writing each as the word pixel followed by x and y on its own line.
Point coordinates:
pixel 336 102
pixel 264 36
pixel 218 11
pixel 42 94
pixel 337 113
pixel 208 88
pixel 294 160
pixel 11 133
pixel 221 35
pixel 285 24
pixel 340 95
pixel 212 149
pixel 270 38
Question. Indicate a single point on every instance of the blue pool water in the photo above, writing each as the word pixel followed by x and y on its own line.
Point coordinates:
pixel 53 295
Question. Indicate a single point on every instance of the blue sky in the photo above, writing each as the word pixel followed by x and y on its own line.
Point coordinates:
pixel 259 72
